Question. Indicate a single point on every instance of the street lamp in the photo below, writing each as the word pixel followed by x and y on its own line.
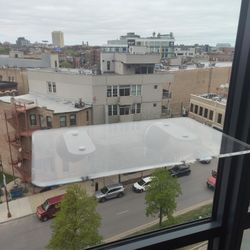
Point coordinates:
pixel 5 189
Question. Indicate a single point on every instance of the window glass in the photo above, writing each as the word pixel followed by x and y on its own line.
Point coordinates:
pixel 124 90
pixel 109 91
pixel 219 118
pixel 49 121
pixel 211 115
pixel 124 110
pixel 72 119
pixel 33 121
pixel 63 121
pixel 54 87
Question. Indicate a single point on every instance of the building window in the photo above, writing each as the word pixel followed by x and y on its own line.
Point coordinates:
pixel 124 90
pixel 201 111
pixel 9 78
pixel 1 77
pixel 156 86
pixel 63 121
pixel 115 90
pixel 196 109
pixel 112 110
pixel 87 115
pixel 135 90
pixel 219 118
pixel 54 87
pixel 124 110
pixel 166 94
pixel 109 91
pixel 49 121
pixel 108 65
pixel 49 85
pixel 72 119
pixel 191 107
pixel 211 115
pixel 205 113
pixel 33 121
pixel 136 108
pixel 12 78
pixel 154 104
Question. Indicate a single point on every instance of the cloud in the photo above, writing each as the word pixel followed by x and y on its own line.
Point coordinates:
pixel 96 21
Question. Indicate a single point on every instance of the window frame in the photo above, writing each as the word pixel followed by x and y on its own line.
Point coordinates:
pixel 230 216
pixel 60 122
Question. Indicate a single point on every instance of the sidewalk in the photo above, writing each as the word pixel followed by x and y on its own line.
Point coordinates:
pixel 27 205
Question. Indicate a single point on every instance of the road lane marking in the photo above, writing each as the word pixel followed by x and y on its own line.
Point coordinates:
pixel 122 212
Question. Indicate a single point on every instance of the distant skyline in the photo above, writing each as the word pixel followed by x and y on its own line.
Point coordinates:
pixel 96 21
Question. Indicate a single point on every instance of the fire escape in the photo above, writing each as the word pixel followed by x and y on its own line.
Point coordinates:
pixel 19 137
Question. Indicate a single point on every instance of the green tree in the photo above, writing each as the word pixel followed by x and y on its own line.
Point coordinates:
pixel 76 224
pixel 66 64
pixel 161 195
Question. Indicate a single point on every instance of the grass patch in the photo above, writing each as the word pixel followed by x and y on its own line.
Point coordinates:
pixel 9 178
pixel 199 213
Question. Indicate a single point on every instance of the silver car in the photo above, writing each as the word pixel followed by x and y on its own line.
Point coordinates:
pixel 109 192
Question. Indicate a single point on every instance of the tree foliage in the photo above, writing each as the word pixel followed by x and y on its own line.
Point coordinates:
pixel 161 195
pixel 76 224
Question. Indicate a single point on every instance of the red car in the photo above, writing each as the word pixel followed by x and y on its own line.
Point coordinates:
pixel 211 180
pixel 49 208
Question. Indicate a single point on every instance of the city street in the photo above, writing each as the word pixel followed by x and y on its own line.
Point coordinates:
pixel 118 215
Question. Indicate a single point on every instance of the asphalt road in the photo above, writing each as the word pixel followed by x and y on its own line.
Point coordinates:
pixel 118 215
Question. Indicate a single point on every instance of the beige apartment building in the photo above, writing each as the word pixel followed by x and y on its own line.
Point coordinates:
pixel 194 81
pixel 208 109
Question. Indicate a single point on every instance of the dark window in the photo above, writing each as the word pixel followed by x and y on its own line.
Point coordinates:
pixel 156 86
pixel 124 110
pixel 56 64
pixel 54 87
pixel 205 113
pixel 124 90
pixel 109 91
pixel 87 115
pixel 192 107
pixel 1 77
pixel 219 118
pixel 136 108
pixel 49 86
pixel 201 111
pixel 211 115
pixel 33 121
pixel 108 65
pixel 154 104
pixel 49 121
pixel 72 119
pixel 110 110
pixel 115 90
pixel 63 121
pixel 196 109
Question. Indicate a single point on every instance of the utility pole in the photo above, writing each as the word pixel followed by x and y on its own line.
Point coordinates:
pixel 5 189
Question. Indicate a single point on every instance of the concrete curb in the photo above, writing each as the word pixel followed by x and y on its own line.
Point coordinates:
pixel 154 222
pixel 15 218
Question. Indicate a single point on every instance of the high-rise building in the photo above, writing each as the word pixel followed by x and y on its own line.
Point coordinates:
pixel 58 39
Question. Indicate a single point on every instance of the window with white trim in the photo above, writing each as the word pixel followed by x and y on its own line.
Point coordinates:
pixel 124 110
pixel 136 108
pixel 112 110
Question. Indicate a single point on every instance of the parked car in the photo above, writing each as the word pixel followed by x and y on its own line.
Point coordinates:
pixel 109 192
pixel 211 180
pixel 141 185
pixel 205 160
pixel 180 170
pixel 49 208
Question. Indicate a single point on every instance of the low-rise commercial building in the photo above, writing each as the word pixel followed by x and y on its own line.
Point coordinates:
pixel 208 109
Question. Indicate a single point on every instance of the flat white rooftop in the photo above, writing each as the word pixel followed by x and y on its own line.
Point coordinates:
pixel 68 155
pixel 51 103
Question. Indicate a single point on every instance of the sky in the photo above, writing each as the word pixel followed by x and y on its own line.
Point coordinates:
pixel 96 21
